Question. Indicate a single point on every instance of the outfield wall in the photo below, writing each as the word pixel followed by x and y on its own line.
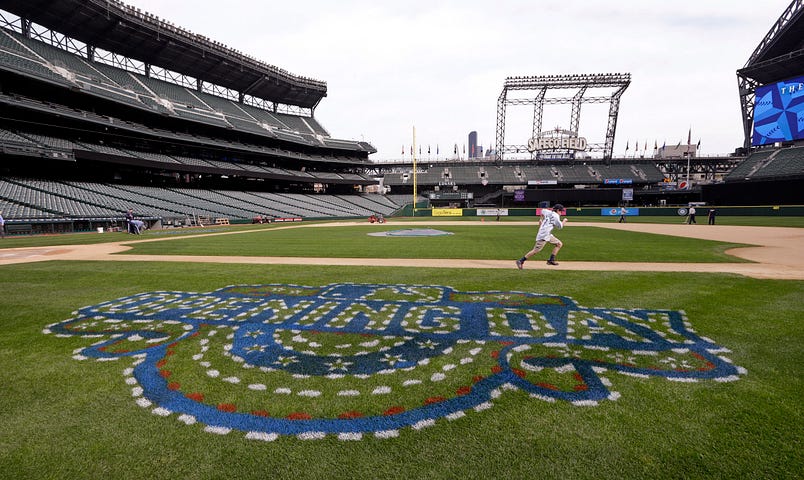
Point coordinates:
pixel 759 211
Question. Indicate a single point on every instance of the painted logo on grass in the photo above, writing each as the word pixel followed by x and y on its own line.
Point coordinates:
pixel 352 359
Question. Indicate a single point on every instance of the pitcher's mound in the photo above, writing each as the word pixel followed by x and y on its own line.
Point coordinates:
pixel 412 232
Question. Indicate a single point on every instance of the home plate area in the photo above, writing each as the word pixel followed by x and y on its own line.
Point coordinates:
pixel 351 360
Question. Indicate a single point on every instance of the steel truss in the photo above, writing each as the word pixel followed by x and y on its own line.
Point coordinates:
pixel 747 88
pixel 581 83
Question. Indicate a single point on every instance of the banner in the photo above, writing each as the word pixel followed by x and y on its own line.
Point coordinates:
pixel 628 194
pixel 447 212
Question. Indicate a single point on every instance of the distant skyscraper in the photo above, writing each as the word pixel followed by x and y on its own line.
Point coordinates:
pixel 473 145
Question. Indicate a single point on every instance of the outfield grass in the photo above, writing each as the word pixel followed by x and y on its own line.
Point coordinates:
pixel 63 418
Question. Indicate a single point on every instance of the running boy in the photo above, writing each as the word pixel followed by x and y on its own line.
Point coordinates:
pixel 549 220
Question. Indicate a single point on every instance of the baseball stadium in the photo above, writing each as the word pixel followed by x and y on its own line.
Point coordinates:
pixel 200 281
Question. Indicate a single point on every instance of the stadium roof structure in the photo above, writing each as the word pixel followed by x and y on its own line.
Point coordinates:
pixel 125 30
pixel 780 55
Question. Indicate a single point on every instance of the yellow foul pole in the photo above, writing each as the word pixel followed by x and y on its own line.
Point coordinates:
pixel 414 170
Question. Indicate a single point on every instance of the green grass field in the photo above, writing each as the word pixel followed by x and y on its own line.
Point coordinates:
pixel 492 241
pixel 61 418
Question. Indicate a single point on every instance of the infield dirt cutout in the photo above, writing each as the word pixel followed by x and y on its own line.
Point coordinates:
pixel 775 252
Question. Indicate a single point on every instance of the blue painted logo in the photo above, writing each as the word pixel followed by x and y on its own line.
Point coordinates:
pixel 353 359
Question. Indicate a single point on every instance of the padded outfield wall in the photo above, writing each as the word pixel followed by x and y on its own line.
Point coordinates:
pixel 728 211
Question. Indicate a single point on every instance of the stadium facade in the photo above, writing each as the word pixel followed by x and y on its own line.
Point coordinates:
pixel 101 100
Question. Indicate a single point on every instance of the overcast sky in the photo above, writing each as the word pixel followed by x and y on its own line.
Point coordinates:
pixel 440 65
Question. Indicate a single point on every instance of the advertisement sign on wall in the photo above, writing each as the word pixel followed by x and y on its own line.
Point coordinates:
pixel 492 212
pixel 615 212
pixel 447 212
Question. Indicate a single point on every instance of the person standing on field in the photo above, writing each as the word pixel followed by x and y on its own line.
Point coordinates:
pixel 129 219
pixel 711 215
pixel 550 219
pixel 623 213
pixel 692 216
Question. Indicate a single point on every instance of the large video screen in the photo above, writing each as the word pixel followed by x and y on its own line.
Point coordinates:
pixel 779 112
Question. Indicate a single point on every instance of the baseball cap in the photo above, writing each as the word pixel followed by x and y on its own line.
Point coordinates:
pixel 558 207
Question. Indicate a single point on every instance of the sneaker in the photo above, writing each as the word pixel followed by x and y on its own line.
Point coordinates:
pixel 552 262
pixel 519 264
